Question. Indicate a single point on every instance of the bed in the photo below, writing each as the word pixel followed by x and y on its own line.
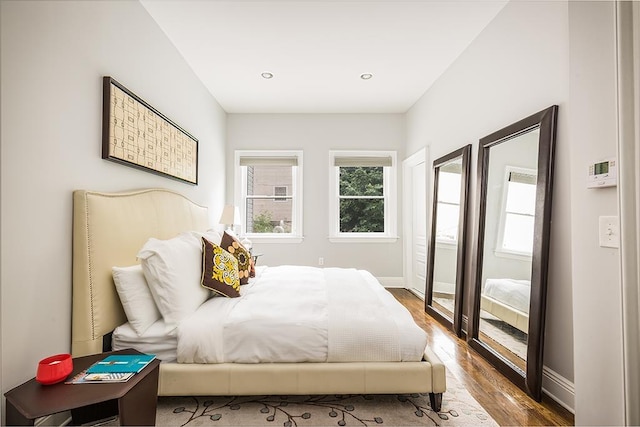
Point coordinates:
pixel 110 228
pixel 508 299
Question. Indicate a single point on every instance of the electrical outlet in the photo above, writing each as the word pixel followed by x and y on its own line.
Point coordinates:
pixel 609 231
pixel 321 261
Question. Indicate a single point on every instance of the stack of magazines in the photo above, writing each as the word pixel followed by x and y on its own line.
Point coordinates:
pixel 116 368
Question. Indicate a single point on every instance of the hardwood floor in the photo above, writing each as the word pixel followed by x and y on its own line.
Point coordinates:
pixel 505 402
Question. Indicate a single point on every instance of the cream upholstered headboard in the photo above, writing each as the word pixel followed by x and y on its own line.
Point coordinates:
pixel 108 230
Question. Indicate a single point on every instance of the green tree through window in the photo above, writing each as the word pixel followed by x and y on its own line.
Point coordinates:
pixel 361 199
pixel 262 223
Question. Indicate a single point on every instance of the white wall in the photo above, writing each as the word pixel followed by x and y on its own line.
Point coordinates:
pixel 597 297
pixel 54 55
pixel 517 66
pixel 316 134
pixel 444 263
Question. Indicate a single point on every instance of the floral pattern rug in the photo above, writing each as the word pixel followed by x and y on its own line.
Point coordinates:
pixel 459 408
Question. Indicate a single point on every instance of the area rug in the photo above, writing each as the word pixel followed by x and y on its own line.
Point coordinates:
pixel 459 408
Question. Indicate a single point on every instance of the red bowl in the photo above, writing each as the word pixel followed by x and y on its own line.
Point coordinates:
pixel 54 369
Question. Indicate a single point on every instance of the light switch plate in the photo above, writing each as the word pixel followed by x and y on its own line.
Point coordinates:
pixel 609 231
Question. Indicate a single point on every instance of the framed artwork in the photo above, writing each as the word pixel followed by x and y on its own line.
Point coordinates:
pixel 136 134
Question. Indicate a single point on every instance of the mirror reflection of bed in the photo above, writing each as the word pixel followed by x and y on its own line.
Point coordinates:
pixel 504 316
pixel 508 298
pixel 506 283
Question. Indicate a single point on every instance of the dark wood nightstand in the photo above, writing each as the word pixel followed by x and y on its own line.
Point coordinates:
pixel 134 401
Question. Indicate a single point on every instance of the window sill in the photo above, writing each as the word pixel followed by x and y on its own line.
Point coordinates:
pixel 512 255
pixel 274 239
pixel 451 244
pixel 363 239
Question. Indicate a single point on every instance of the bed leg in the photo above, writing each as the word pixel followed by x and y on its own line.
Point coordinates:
pixel 436 401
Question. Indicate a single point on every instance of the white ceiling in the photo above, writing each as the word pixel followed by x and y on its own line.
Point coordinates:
pixel 317 50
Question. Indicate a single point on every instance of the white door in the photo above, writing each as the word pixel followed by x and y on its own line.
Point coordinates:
pixel 415 222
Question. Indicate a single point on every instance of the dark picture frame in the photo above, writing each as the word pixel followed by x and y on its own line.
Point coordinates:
pixel 136 134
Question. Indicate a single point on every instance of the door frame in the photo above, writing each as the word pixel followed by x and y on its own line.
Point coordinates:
pixel 628 144
pixel 420 156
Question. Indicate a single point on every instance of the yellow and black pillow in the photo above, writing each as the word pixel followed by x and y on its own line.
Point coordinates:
pixel 235 248
pixel 219 270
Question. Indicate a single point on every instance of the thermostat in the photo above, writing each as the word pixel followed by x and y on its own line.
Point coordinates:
pixel 603 174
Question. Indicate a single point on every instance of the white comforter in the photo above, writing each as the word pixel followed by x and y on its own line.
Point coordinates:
pixel 303 314
pixel 512 292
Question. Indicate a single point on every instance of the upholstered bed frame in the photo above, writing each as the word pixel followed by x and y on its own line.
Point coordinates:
pixel 514 317
pixel 109 230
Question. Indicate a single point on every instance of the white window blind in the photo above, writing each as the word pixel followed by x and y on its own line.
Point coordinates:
pixel 268 161
pixel 364 161
pixel 522 178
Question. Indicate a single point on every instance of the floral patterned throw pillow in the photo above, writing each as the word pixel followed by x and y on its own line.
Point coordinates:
pixel 219 270
pixel 235 248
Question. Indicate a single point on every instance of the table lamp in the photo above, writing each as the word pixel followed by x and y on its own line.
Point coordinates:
pixel 230 217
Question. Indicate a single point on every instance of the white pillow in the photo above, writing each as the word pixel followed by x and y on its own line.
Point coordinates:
pixel 211 235
pixel 173 268
pixel 136 297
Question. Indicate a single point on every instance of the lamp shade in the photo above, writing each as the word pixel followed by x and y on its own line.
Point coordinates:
pixel 230 215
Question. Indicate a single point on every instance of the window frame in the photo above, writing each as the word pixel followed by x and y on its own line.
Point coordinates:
pixel 448 243
pixel 390 190
pixel 500 250
pixel 295 193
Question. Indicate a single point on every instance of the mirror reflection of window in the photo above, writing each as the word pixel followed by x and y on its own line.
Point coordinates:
pixel 518 214
pixel 510 216
pixel 507 319
pixel 447 240
pixel 448 214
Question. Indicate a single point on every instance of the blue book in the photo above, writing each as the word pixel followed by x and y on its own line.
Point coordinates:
pixel 121 363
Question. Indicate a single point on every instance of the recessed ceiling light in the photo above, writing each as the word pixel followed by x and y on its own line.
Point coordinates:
pixel 267 75
pixel 366 76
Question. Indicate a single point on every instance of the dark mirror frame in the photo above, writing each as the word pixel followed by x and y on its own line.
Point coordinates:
pixel 531 380
pixel 456 323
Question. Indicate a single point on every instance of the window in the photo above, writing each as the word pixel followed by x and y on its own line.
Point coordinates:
pixel 518 212
pixel 280 191
pixel 269 193
pixel 362 195
pixel 448 211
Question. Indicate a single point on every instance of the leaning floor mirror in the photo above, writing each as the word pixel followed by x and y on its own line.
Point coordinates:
pixel 515 174
pixel 447 242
